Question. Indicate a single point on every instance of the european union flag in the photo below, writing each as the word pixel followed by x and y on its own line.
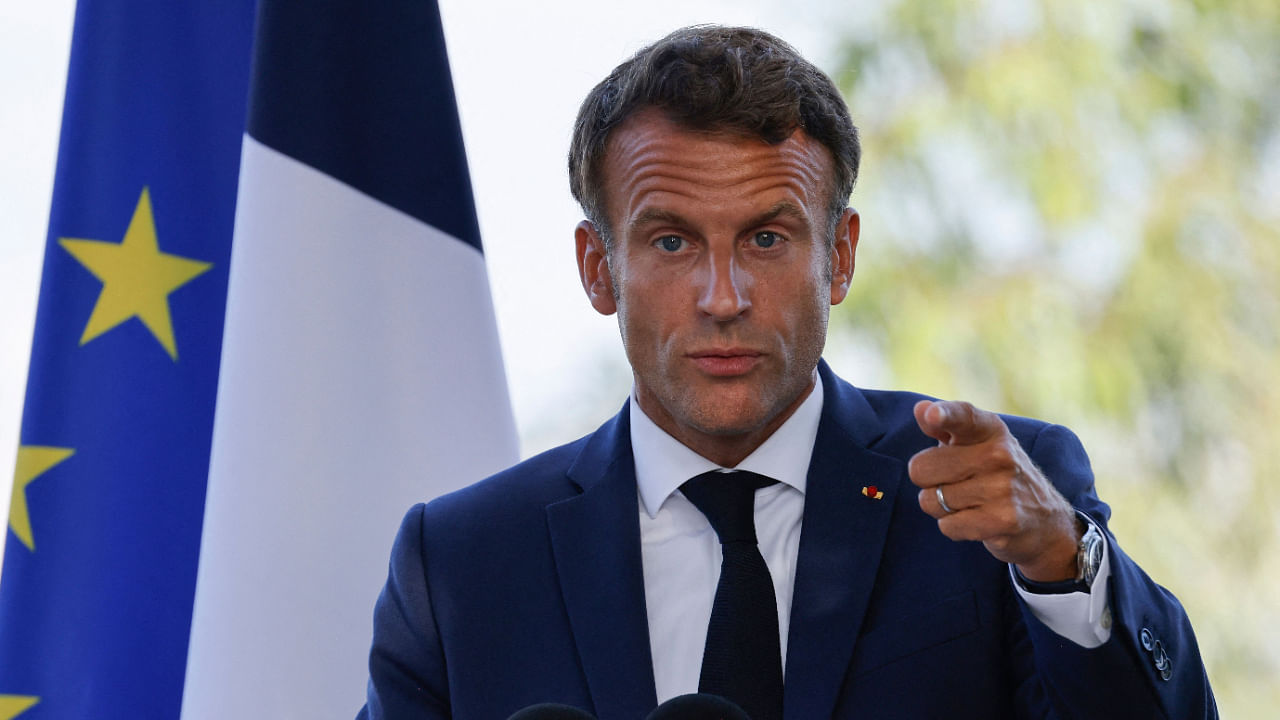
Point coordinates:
pixel 100 566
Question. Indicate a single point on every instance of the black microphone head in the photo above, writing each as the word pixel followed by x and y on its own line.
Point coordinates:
pixel 551 711
pixel 698 706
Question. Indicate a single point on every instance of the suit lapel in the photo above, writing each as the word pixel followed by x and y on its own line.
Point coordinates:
pixel 841 543
pixel 595 537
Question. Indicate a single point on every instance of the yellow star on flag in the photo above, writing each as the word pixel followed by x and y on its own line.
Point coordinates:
pixel 136 277
pixel 33 461
pixel 11 706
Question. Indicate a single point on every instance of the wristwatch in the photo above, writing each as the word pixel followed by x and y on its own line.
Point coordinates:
pixel 1089 553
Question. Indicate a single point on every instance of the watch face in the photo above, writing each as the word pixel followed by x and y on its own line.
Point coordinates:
pixel 1092 554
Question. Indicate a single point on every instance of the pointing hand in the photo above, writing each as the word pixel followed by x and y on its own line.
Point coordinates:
pixel 993 491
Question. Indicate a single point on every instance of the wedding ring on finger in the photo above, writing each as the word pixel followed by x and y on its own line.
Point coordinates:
pixel 941 500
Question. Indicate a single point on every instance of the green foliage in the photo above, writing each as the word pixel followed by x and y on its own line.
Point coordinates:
pixel 1071 212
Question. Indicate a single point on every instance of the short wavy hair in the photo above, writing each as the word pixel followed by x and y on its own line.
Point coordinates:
pixel 713 78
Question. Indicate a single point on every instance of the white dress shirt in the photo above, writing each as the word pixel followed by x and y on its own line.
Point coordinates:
pixel 681 553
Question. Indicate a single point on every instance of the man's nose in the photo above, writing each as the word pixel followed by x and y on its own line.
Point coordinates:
pixel 725 292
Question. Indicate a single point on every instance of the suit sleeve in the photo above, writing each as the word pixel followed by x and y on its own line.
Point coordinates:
pixel 406 663
pixel 1151 666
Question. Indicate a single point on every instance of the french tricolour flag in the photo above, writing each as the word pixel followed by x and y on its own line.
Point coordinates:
pixel 360 368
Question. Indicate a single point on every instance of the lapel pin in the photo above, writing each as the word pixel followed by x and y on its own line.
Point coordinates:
pixel 872 492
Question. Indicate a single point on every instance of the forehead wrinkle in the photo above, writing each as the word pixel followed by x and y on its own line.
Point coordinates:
pixel 651 207
pixel 661 176
pixel 794 163
pixel 645 158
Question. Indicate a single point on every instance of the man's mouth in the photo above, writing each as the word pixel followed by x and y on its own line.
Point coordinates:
pixel 726 362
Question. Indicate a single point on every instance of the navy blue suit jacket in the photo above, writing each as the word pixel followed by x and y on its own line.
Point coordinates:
pixel 527 588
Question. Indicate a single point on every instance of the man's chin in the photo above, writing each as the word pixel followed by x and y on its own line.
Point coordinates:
pixel 745 411
pixel 727 420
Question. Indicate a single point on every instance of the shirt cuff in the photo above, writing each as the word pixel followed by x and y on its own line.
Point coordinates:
pixel 1081 617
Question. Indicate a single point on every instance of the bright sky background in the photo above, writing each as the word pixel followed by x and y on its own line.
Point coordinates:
pixel 520 71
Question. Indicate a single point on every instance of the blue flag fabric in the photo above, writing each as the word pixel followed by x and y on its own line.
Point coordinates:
pixel 100 563
pixel 362 92
pixel 357 370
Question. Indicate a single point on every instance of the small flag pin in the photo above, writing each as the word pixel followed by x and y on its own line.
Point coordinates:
pixel 872 492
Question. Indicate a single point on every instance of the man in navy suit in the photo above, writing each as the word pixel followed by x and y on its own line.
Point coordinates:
pixel 928 559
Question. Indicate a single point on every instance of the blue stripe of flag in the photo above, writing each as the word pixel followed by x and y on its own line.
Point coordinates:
pixel 362 92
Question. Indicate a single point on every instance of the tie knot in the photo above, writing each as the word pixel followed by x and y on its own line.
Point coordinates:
pixel 728 499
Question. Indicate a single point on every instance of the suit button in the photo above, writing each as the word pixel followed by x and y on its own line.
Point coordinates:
pixel 1161 658
pixel 1158 654
pixel 1146 637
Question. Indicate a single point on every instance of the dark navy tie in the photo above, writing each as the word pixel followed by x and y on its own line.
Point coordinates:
pixel 743 657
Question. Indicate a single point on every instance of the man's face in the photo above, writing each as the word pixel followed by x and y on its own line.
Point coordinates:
pixel 721 274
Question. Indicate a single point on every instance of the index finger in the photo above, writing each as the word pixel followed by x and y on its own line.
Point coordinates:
pixel 957 422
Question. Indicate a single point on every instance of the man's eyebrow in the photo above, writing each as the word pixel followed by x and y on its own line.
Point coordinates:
pixel 657 216
pixel 785 209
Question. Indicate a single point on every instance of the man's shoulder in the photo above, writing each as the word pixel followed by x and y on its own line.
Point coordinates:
pixel 894 410
pixel 1055 449
pixel 897 405
pixel 536 481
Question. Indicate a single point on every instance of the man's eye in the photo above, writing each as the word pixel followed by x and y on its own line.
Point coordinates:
pixel 765 239
pixel 671 243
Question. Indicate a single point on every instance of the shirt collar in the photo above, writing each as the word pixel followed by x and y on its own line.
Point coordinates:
pixel 664 463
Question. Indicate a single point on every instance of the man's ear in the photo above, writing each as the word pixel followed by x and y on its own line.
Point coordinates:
pixel 593 268
pixel 842 254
